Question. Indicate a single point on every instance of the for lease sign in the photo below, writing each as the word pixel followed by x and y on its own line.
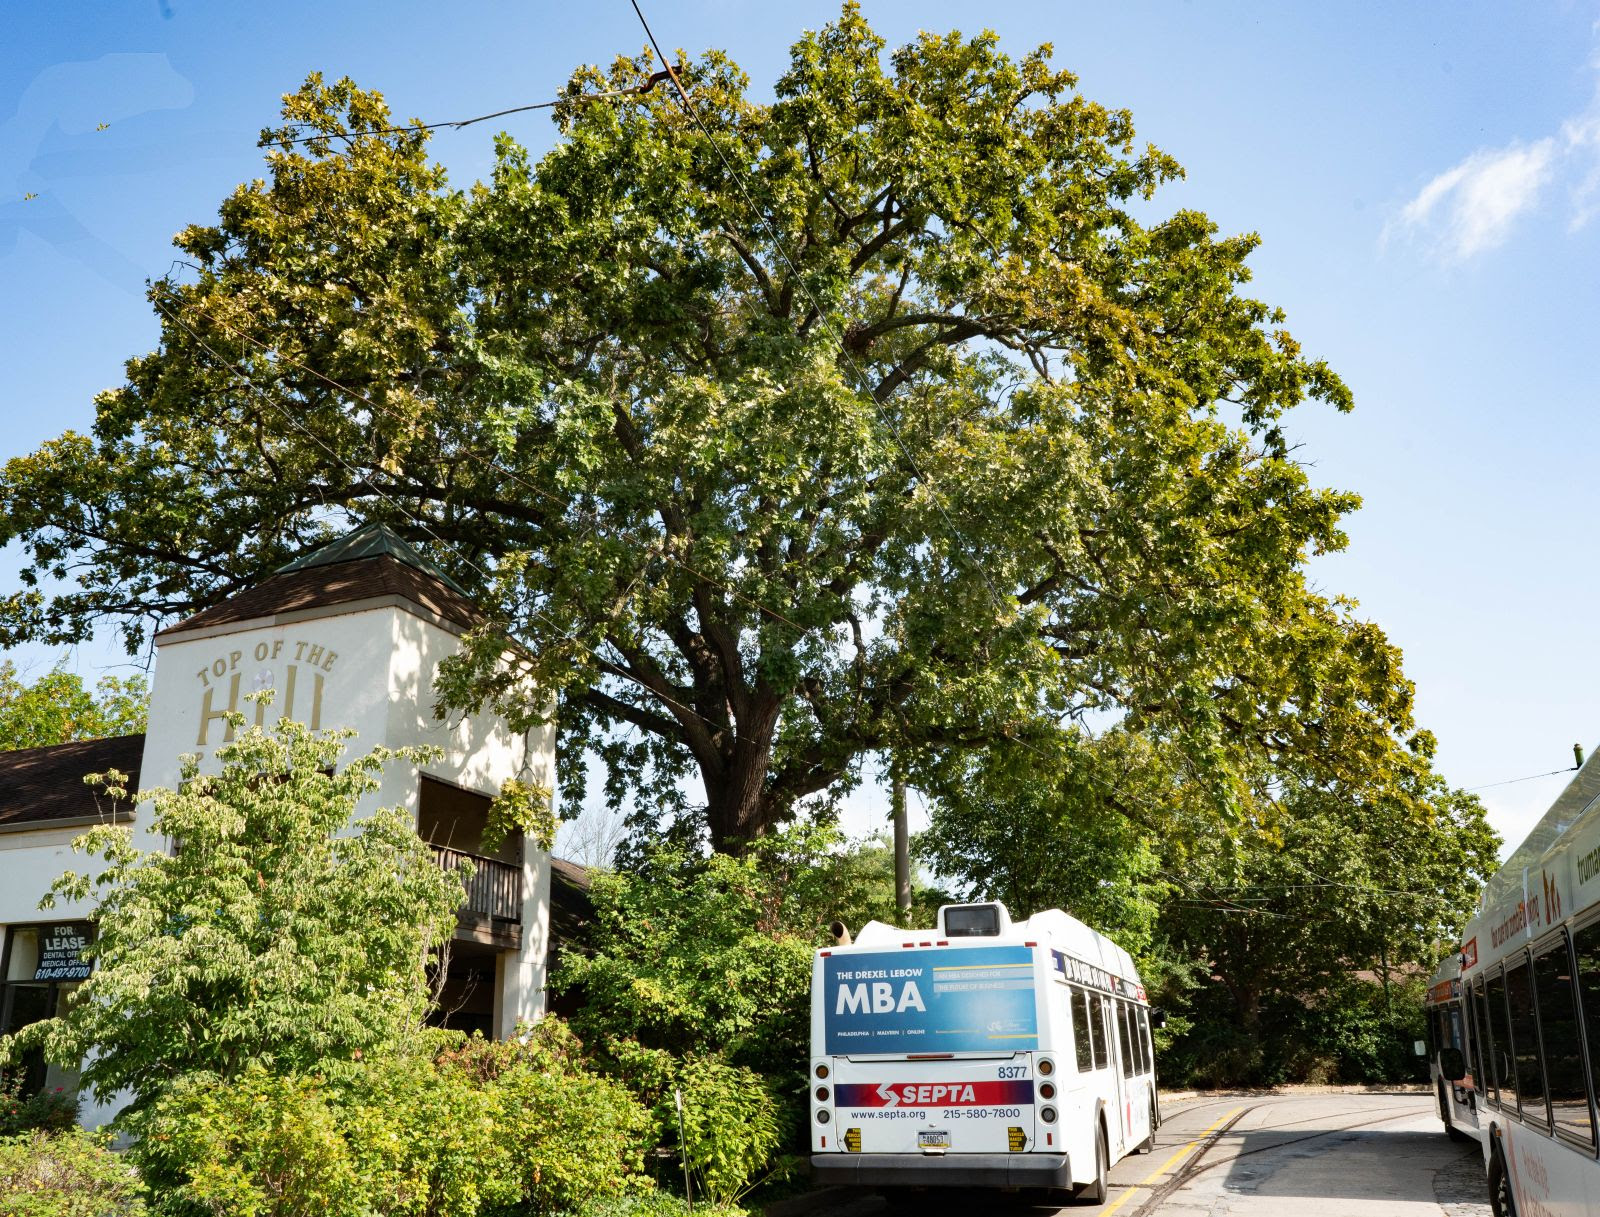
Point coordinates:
pixel 952 999
pixel 61 947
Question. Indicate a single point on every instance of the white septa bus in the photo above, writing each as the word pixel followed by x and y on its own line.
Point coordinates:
pixel 981 1053
pixel 1528 988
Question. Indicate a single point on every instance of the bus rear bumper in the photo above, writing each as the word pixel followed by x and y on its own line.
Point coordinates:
pixel 946 1170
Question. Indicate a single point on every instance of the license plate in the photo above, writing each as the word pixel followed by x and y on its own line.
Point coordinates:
pixel 931 1142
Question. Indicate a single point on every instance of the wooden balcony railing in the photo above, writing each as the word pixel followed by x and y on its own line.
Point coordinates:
pixel 495 889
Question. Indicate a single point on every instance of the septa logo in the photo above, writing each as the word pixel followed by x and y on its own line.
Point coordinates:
pixel 934 1094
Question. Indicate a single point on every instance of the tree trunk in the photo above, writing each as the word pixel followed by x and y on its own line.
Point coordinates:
pixel 737 809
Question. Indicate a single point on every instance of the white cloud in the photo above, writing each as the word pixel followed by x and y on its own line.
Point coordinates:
pixel 1582 139
pixel 1472 207
pixel 1475 205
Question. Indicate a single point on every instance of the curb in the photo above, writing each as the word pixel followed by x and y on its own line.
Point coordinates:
pixel 1187 1096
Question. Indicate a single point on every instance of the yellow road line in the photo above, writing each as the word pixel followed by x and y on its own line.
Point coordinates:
pixel 1168 1164
pixel 1121 1200
pixel 1184 1150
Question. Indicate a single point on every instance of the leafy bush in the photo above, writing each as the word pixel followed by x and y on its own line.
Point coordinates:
pixel 49 1110
pixel 248 1147
pixel 692 955
pixel 732 1126
pixel 68 1174
pixel 465 1127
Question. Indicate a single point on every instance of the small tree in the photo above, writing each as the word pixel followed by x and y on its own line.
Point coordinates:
pixel 276 934
pixel 58 707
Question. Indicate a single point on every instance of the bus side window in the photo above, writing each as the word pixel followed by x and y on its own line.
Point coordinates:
pixel 1557 998
pixel 1482 1047
pixel 1586 949
pixel 1505 1079
pixel 1097 1020
pixel 1140 1060
pixel 1080 1030
pixel 1144 1039
pixel 1525 1041
pixel 1129 1064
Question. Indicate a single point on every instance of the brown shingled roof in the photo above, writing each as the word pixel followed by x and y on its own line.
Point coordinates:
pixel 342 583
pixel 44 784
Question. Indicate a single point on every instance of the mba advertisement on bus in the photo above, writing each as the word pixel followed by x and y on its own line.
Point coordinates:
pixel 981 999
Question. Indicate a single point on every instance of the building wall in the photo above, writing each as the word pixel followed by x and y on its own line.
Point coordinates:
pixel 29 862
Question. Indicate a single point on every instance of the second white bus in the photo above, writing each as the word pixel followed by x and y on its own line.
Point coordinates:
pixel 1528 1081
pixel 981 1053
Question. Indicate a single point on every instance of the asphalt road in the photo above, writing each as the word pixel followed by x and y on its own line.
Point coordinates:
pixel 1309 1155
pixel 1313 1155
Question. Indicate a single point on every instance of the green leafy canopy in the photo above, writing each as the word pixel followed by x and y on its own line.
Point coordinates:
pixel 870 419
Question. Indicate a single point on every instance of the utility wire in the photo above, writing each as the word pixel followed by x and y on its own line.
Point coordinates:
pixel 459 123
pixel 1530 778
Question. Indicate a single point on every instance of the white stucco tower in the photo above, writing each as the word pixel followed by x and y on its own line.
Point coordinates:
pixel 352 635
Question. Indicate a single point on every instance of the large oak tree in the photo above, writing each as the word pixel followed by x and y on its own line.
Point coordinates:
pixel 877 418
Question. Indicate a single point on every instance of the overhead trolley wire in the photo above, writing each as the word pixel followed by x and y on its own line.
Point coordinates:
pixel 459 123
pixel 1530 778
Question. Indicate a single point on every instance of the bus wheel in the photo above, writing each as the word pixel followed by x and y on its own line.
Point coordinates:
pixel 1500 1197
pixel 1095 1193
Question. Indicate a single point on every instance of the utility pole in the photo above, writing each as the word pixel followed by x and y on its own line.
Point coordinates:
pixel 902 843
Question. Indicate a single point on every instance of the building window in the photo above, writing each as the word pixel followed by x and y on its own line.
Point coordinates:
pixel 33 963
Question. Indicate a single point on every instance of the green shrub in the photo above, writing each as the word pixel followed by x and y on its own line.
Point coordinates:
pixel 250 1147
pixel 67 1174
pixel 693 955
pixel 732 1126
pixel 458 1128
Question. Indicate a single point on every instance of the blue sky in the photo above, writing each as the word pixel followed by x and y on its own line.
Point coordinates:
pixel 1425 179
